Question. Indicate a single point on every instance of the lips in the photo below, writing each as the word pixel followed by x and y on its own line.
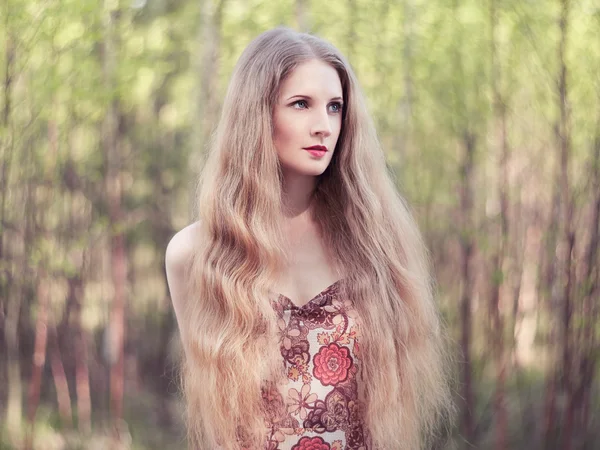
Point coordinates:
pixel 318 148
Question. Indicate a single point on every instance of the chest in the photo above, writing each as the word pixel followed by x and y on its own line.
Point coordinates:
pixel 310 267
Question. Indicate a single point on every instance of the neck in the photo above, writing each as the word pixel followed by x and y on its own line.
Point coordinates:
pixel 297 195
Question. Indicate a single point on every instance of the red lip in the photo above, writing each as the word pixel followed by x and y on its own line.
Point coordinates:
pixel 320 148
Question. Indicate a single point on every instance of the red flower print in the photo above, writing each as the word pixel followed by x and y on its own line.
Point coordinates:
pixel 332 364
pixel 315 443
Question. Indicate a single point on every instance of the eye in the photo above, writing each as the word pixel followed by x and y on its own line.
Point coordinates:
pixel 300 104
pixel 335 107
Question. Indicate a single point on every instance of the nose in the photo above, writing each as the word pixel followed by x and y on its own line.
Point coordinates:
pixel 321 124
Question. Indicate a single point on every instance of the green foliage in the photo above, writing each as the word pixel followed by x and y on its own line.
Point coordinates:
pixel 427 72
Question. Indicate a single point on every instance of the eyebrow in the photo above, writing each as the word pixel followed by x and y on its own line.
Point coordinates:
pixel 308 97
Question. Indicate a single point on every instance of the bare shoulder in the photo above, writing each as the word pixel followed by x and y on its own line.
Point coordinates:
pixel 178 258
pixel 180 248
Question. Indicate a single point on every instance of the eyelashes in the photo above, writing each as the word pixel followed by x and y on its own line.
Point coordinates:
pixel 338 105
pixel 300 102
pixel 303 104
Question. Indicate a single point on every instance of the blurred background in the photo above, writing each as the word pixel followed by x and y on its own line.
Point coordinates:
pixel 489 112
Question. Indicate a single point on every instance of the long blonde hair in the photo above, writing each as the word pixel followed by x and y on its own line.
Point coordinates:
pixel 228 329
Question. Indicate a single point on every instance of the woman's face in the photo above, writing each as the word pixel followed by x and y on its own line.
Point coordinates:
pixel 308 114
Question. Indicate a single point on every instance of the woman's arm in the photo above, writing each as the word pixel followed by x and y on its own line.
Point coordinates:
pixel 178 257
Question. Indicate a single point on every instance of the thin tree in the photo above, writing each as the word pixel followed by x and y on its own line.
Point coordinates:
pixel 561 227
pixel 302 16
pixel 39 355
pixel 10 295
pixel 463 129
pixel 113 190
pixel 591 290
pixel 498 260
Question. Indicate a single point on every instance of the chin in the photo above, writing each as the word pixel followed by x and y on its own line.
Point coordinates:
pixel 308 172
pixel 313 171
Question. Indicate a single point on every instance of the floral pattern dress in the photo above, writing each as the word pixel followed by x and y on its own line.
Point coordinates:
pixel 319 343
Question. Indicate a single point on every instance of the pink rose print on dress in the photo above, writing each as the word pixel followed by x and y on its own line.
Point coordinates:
pixel 315 443
pixel 332 364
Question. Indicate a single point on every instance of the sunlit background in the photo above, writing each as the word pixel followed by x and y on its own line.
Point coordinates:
pixel 489 112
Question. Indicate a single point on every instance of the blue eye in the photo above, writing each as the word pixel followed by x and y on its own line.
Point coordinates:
pixel 333 108
pixel 298 102
pixel 338 107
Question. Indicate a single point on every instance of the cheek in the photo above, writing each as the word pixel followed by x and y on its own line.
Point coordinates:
pixel 284 134
pixel 337 126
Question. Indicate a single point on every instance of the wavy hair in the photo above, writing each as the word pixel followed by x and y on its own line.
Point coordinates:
pixel 229 326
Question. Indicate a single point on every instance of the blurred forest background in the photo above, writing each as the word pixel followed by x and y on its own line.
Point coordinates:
pixel 489 111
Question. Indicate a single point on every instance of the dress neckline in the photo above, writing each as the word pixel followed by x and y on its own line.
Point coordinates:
pixel 319 295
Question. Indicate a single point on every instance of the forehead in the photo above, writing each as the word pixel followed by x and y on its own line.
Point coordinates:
pixel 312 78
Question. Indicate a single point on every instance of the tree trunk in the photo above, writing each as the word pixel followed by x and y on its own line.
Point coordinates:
pixel 11 409
pixel 499 275
pixel 82 382
pixel 562 281
pixel 112 180
pixel 302 16
pixel 405 106
pixel 467 247
pixel 7 150
pixel 63 397
pixel 208 44
pixel 466 140
pixel 39 355
pixel 19 276
pixel 561 232
pixel 13 414
pixel 351 34
pixel 589 283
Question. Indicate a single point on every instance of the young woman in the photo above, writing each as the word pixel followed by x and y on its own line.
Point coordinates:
pixel 303 293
